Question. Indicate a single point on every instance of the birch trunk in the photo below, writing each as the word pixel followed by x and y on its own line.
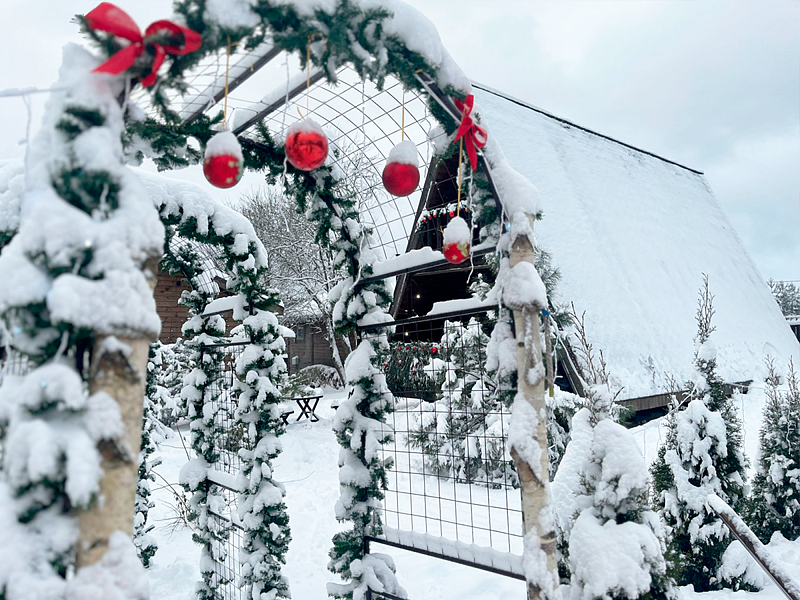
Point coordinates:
pixel 120 370
pixel 535 493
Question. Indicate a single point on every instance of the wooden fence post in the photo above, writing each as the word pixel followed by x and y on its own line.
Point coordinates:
pixel 535 493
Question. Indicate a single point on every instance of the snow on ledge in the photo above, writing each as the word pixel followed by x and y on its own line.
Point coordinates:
pixel 418 259
pixel 461 304
pixel 481 555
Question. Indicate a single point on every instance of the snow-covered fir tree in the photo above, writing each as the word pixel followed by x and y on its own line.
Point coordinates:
pixel 170 362
pixel 616 542
pixel 702 454
pixel 774 504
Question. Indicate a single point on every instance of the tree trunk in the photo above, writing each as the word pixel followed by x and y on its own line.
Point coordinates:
pixel 337 359
pixel 535 493
pixel 120 370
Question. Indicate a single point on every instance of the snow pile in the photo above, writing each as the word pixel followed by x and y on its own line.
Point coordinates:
pixel 404 153
pixel 523 287
pixel 305 126
pixel 420 35
pixel 12 184
pixel 187 203
pixel 230 14
pixel 457 232
pixel 224 143
pixel 738 565
pixel 118 575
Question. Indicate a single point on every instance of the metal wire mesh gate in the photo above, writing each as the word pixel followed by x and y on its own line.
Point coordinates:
pixel 453 490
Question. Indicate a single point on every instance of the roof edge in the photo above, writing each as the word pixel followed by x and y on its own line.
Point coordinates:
pixel 486 88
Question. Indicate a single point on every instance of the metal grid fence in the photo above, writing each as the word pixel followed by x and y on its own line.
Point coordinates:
pixel 453 476
pixel 223 356
pixel 229 569
pixel 233 438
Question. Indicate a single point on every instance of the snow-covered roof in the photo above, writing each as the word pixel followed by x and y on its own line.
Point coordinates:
pixel 632 234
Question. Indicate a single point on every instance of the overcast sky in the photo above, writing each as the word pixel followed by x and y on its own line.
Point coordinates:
pixel 713 85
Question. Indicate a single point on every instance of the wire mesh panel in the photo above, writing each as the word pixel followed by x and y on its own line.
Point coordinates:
pixel 364 123
pixel 233 436
pixel 230 439
pixel 229 570
pixel 452 474
pixel 12 362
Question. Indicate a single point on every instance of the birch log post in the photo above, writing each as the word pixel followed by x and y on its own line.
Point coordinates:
pixel 535 492
pixel 119 368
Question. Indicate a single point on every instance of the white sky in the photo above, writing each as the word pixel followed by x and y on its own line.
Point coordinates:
pixel 712 84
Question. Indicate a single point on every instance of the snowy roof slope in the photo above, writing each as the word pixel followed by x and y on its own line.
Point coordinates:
pixel 632 235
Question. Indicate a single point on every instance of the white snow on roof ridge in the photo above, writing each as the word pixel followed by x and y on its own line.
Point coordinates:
pixel 571 123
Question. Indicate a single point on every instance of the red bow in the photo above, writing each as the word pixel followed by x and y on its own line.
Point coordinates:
pixel 474 135
pixel 114 20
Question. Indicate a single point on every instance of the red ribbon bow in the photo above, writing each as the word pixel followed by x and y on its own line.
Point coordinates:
pixel 109 18
pixel 474 135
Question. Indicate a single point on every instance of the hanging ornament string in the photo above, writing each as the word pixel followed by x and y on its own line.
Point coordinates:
pixel 403 118
pixel 227 70
pixel 458 193
pixel 308 71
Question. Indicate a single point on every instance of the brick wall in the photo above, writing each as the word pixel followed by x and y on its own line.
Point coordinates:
pixel 168 291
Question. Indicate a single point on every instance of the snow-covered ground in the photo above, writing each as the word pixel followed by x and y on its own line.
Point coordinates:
pixel 308 467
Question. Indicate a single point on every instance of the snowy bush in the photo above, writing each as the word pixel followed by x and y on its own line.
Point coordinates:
pixel 616 543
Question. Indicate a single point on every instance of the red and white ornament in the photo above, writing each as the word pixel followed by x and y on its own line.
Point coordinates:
pixel 457 239
pixel 401 173
pixel 223 163
pixel 306 145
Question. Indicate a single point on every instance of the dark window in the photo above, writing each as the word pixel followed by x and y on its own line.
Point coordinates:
pixel 300 332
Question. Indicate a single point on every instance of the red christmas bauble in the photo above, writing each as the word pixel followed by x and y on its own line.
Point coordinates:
pixel 222 171
pixel 400 179
pixel 306 145
pixel 401 175
pixel 434 350
pixel 456 241
pixel 223 162
pixel 456 253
